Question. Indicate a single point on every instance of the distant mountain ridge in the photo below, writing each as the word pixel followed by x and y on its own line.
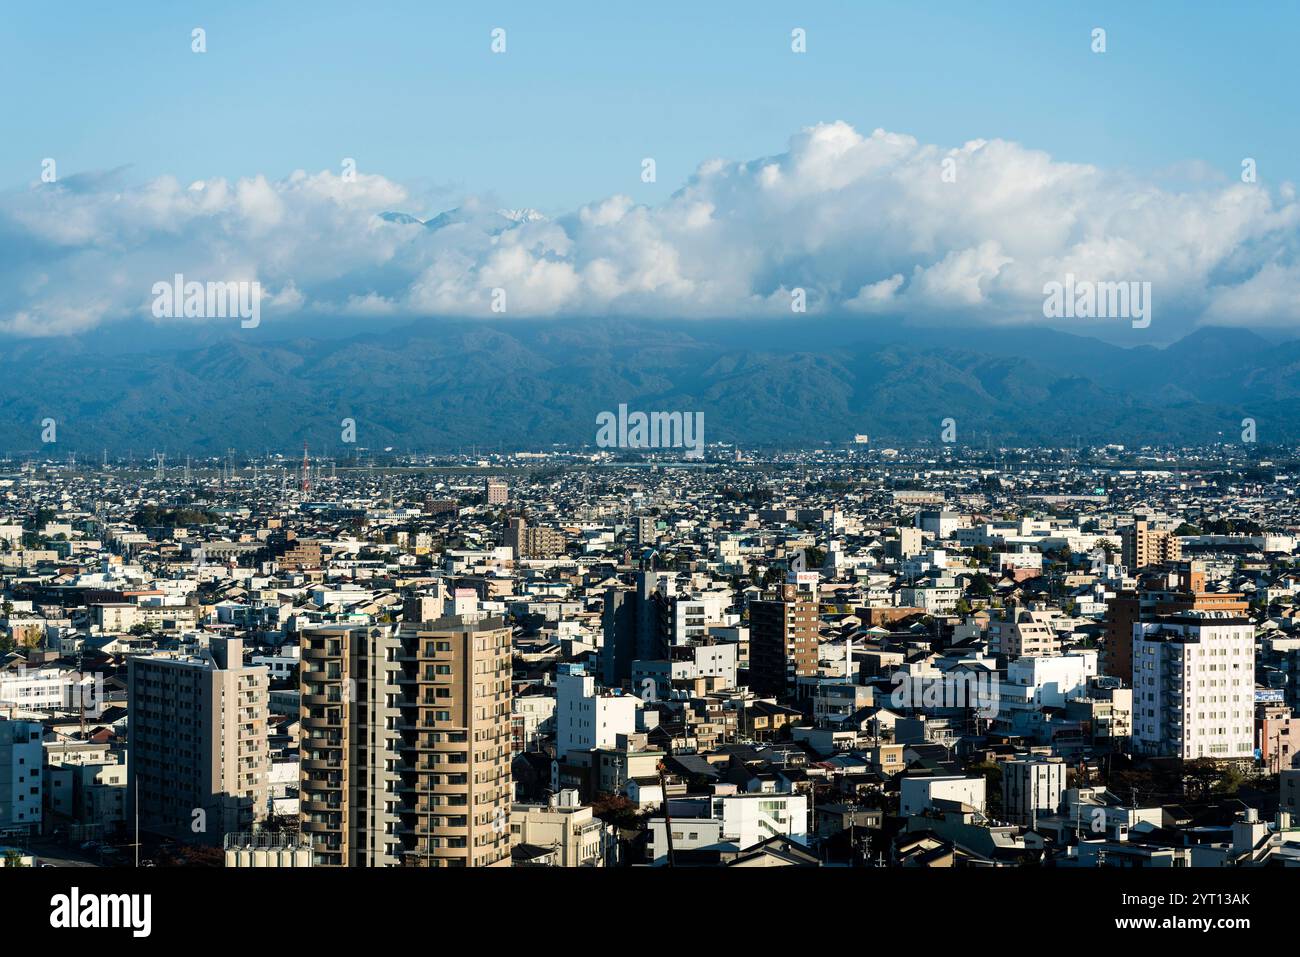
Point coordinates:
pixel 453 384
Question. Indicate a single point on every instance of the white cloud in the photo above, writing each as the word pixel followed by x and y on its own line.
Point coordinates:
pixel 867 224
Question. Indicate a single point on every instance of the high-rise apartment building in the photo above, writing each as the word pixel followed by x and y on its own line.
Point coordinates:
pixel 646 528
pixel 454 735
pixel 783 635
pixel 498 493
pixel 197 742
pixel 347 774
pixel 406 744
pixel 636 624
pixel 1194 686
pixel 1143 545
pixel 527 541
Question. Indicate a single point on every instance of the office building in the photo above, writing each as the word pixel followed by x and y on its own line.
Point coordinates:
pixel 566 827
pixel 21 759
pixel 589 717
pixel 1194 686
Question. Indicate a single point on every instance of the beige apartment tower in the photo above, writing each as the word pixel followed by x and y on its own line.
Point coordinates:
pixel 198 742
pixel 406 744
pixel 525 541
pixel 1144 546
pixel 455 736
pixel 348 773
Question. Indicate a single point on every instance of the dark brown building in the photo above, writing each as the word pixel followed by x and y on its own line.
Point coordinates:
pixel 782 638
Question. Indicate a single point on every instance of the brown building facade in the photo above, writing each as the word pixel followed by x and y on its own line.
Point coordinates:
pixel 783 638
pixel 455 736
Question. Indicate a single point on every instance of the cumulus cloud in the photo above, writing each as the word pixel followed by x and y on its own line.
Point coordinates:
pixel 870 225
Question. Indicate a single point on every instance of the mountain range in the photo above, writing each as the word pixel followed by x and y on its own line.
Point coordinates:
pixel 446 385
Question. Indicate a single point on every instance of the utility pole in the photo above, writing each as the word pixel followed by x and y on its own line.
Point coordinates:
pixel 668 818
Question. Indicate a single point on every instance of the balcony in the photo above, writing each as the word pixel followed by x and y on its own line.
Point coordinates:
pixel 330 762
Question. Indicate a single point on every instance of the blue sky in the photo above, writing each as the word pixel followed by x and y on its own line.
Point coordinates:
pixel 586 90
pixel 1123 166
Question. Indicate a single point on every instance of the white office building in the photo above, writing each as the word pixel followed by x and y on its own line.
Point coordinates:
pixel 1194 686
pixel 22 757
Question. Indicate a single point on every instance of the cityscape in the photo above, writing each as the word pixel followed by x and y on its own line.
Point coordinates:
pixel 446 449
pixel 856 657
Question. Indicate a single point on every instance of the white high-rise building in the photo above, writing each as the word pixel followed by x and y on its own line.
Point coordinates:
pixel 1194 685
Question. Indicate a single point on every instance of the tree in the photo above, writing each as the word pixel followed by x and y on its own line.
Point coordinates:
pixel 616 809
pixel 814 557
pixel 1204 777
